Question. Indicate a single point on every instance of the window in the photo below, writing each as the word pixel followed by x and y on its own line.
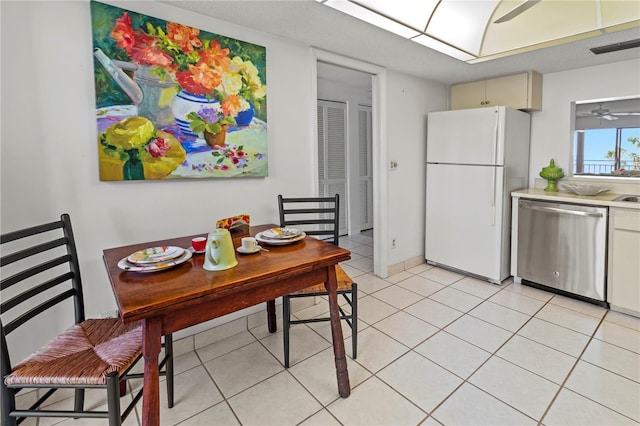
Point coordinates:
pixel 607 139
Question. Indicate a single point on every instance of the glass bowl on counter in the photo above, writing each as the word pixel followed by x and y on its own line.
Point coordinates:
pixel 583 188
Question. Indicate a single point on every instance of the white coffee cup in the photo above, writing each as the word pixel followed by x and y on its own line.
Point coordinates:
pixel 249 244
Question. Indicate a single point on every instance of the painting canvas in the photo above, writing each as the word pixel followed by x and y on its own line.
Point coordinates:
pixel 174 101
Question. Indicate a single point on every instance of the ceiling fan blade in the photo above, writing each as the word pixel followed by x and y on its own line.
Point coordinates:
pixel 609 117
pixel 516 11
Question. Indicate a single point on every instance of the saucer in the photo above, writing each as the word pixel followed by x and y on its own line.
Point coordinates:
pixel 243 251
pixel 192 250
pixel 279 242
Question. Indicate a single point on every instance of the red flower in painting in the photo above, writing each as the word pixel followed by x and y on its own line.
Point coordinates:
pixel 147 54
pixel 123 33
pixel 141 47
pixel 158 147
pixel 201 79
pixel 185 37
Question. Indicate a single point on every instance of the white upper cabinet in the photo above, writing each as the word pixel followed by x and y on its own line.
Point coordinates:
pixel 518 91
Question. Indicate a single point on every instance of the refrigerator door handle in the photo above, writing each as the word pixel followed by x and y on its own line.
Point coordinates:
pixel 495 137
pixel 494 196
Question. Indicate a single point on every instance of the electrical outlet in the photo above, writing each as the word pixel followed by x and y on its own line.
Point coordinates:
pixel 394 243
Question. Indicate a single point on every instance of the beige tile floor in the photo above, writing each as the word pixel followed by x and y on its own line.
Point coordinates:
pixel 434 347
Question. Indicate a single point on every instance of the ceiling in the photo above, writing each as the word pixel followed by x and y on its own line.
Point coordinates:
pixel 311 23
pixel 480 30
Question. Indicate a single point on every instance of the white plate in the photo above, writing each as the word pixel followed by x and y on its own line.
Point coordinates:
pixel 281 233
pixel 278 242
pixel 194 251
pixel 154 267
pixel 243 251
pixel 155 255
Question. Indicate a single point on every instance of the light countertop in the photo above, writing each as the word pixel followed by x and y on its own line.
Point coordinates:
pixel 602 199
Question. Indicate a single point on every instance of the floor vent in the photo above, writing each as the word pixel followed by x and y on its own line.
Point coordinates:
pixel 630 44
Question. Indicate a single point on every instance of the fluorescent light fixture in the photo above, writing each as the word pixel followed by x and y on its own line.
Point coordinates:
pixel 414 14
pixel 373 18
pixel 443 47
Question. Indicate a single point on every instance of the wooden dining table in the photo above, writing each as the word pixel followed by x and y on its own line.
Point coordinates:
pixel 170 300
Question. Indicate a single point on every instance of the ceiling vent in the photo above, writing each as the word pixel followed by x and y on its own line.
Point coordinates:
pixel 630 44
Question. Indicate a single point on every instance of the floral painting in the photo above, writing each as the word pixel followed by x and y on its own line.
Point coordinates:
pixel 174 101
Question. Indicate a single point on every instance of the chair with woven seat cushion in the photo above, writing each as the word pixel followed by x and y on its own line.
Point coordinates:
pixel 40 273
pixel 318 217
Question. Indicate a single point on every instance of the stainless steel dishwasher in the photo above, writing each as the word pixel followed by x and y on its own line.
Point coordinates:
pixel 563 246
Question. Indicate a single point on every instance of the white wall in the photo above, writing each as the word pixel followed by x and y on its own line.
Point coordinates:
pixel 410 99
pixel 551 128
pixel 49 142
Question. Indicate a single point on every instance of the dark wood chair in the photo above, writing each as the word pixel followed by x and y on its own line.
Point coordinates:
pixel 40 271
pixel 318 217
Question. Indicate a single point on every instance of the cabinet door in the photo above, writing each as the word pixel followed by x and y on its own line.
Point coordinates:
pixel 510 91
pixel 468 95
pixel 624 269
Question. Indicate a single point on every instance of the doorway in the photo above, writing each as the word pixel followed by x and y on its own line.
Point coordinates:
pixel 350 176
pixel 377 84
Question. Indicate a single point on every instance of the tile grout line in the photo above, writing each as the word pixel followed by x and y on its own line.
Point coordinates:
pixel 562 385
pixel 492 354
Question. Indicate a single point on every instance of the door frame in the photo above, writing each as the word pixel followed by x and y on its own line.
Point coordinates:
pixel 379 136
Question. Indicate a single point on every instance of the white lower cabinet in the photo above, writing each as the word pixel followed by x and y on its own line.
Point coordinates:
pixel 623 287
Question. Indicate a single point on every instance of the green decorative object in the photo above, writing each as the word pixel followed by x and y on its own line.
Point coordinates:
pixel 552 174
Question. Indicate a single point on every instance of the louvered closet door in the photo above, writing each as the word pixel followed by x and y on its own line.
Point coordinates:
pixel 332 154
pixel 365 166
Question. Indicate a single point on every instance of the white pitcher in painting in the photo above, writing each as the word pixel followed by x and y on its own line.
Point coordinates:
pixel 152 96
pixel 219 253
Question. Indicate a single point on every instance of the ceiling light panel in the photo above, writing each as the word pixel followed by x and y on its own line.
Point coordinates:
pixel 373 18
pixel 414 13
pixel 443 48
pixel 619 12
pixel 462 23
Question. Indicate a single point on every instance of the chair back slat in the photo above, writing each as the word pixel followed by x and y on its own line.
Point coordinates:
pixel 51 302
pixel 23 275
pixel 28 232
pixel 316 216
pixel 32 292
pixel 31 251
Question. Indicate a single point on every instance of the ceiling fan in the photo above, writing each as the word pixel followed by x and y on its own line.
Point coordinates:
pixel 605 113
pixel 526 4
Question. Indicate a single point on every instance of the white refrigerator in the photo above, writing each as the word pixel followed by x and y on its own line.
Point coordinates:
pixel 475 159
